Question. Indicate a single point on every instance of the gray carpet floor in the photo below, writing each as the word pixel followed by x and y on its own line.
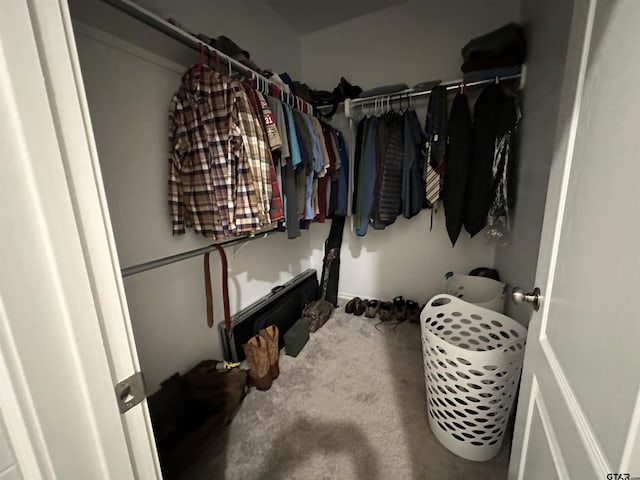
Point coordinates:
pixel 350 406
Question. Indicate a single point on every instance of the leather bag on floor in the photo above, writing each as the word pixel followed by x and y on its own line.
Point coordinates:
pixel 191 412
pixel 318 313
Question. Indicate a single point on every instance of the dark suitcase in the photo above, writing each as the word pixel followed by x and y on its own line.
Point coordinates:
pixel 282 307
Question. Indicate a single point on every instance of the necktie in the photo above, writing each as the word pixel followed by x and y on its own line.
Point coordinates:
pixel 433 186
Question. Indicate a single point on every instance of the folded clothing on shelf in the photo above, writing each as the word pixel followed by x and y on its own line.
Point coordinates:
pixel 492 73
pixel 428 85
pixel 384 90
pixel 504 47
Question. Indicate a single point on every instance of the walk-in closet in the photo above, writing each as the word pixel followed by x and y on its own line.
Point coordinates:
pixel 341 240
pixel 132 62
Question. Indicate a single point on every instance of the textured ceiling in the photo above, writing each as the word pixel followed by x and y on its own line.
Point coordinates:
pixel 307 16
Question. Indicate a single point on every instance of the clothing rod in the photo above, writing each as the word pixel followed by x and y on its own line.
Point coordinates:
pixel 161 262
pixel 160 24
pixel 450 85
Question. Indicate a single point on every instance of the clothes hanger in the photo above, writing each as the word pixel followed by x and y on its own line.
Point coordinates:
pixel 217 61
pixel 199 66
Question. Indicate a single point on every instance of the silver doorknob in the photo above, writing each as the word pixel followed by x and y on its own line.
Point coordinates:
pixel 518 296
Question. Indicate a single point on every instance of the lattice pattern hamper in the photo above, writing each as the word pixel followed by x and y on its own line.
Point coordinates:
pixel 481 291
pixel 472 363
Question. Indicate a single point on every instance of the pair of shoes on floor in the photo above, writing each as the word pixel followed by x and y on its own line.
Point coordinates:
pixel 358 306
pixel 406 310
pixel 263 355
pixel 400 310
pixel 395 310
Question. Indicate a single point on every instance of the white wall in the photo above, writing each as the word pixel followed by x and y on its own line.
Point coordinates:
pixel 414 41
pixel 410 42
pixel 129 90
pixel 254 26
pixel 547 25
pixel 8 468
pixel 272 43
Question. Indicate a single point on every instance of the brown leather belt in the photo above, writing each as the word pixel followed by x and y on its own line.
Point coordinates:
pixel 225 288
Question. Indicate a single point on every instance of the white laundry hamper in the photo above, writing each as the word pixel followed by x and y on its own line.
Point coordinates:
pixel 472 364
pixel 482 291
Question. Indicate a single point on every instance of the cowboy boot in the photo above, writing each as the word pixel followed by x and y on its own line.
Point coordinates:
pixel 270 335
pixel 258 359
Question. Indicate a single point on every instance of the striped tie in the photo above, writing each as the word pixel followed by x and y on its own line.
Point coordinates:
pixel 433 186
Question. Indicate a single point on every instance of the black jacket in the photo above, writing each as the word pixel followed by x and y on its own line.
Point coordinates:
pixel 479 192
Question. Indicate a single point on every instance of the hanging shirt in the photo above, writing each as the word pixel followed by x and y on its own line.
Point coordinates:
pixel 318 162
pixel 278 115
pixel 306 148
pixel 289 179
pixel 282 155
pixel 209 179
pixel 323 182
pixel 381 141
pixel 367 178
pixel 273 134
pixel 276 211
pixel 317 128
pixel 296 158
pixel 304 140
pixel 413 187
pixel 257 150
pixel 343 177
pixel 302 170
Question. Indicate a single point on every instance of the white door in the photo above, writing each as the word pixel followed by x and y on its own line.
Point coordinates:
pixel 579 407
pixel 65 335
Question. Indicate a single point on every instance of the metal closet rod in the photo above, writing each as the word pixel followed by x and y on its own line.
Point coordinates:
pixel 451 85
pixel 160 24
pixel 161 262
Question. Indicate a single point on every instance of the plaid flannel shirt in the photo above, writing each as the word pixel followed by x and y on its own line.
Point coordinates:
pixel 210 186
